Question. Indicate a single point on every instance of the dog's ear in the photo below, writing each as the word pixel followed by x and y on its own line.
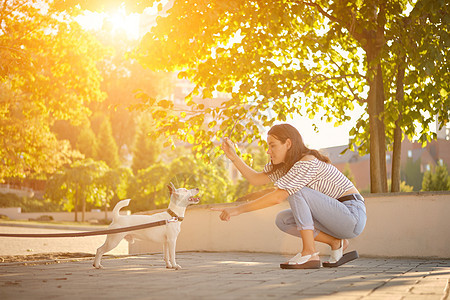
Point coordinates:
pixel 171 188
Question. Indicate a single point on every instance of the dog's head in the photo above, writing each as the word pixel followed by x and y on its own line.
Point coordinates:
pixel 183 197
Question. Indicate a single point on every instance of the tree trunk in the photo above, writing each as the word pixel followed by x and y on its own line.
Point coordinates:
pixel 375 101
pixel 83 210
pixel 398 136
pixel 106 210
pixel 76 206
pixel 382 132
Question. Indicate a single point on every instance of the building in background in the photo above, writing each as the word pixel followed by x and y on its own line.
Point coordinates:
pixel 414 159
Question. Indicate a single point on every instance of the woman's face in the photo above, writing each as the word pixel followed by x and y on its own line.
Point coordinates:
pixel 277 150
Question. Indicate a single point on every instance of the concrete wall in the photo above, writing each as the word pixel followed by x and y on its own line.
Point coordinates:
pixel 398 225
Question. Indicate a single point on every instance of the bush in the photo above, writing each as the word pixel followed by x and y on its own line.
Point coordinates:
pixel 439 180
pixel 27 204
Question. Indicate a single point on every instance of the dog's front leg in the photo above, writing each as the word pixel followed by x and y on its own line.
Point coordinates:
pixel 172 244
pixel 166 254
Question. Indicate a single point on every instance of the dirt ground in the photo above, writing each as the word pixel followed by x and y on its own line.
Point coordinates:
pixel 43 256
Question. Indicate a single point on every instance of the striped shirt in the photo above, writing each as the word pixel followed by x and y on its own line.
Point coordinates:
pixel 314 174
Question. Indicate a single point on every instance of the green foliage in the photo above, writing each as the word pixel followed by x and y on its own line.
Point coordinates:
pixel 419 43
pixel 27 204
pixel 147 148
pixel 87 143
pixel 348 173
pixel 107 147
pixel 294 58
pixel 76 185
pixel 211 178
pixel 403 187
pixel 439 180
pixel 114 183
pixel 47 72
pixel 411 174
pixel 148 189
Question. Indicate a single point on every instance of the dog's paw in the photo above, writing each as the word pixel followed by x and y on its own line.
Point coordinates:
pixel 177 267
pixel 169 266
pixel 99 266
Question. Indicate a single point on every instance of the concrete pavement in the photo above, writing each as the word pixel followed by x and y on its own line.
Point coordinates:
pixel 229 275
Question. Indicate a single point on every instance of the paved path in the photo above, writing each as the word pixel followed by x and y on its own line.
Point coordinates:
pixel 225 276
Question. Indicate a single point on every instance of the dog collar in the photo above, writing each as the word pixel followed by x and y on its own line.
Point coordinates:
pixel 174 215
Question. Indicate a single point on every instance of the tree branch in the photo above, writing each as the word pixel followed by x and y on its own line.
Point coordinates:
pixel 322 11
pixel 313 79
pixel 346 81
pixel 349 25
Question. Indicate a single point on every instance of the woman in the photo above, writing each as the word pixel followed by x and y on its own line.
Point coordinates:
pixel 325 205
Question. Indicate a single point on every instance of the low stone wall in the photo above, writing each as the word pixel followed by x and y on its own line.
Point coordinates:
pixel 22 192
pixel 398 225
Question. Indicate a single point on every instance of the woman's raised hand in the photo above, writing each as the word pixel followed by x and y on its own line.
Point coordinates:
pixel 228 148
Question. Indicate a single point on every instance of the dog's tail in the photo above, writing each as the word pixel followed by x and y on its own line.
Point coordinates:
pixel 118 206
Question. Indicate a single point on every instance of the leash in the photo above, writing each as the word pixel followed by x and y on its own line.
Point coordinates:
pixel 90 233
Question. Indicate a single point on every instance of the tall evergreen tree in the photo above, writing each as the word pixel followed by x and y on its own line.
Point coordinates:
pixel 107 147
pixel 411 173
pixel 87 143
pixel 146 148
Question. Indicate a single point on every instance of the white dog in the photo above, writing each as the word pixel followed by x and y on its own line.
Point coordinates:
pixel 166 234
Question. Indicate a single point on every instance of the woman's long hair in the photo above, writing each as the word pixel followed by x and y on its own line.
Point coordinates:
pixel 298 150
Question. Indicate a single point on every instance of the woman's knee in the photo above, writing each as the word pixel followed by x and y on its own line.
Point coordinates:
pixel 283 219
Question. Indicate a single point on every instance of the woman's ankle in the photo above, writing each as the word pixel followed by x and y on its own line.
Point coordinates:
pixel 308 252
pixel 335 244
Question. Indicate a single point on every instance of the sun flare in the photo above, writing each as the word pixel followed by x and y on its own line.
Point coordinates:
pixel 119 21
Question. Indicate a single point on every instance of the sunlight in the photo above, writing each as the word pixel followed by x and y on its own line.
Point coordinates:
pixel 245 263
pixel 119 20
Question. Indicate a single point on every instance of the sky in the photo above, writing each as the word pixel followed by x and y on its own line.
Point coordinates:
pixel 327 135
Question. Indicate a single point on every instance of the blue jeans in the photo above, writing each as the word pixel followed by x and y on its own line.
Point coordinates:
pixel 313 210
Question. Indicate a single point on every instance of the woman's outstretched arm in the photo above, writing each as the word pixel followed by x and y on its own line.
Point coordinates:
pixel 267 200
pixel 255 178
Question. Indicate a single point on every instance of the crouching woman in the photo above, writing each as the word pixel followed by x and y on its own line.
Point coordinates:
pixel 325 206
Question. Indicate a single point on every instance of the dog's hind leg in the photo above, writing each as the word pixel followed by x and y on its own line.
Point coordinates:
pixel 111 242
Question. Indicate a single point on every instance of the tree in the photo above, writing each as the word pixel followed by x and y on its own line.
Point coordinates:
pixel 107 147
pixel 148 189
pixel 294 70
pixel 146 148
pixel 76 185
pixel 113 183
pixel 437 180
pixel 416 76
pixel 288 57
pixel 87 143
pixel 47 73
pixel 411 174
pixel 285 58
pixel 211 178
